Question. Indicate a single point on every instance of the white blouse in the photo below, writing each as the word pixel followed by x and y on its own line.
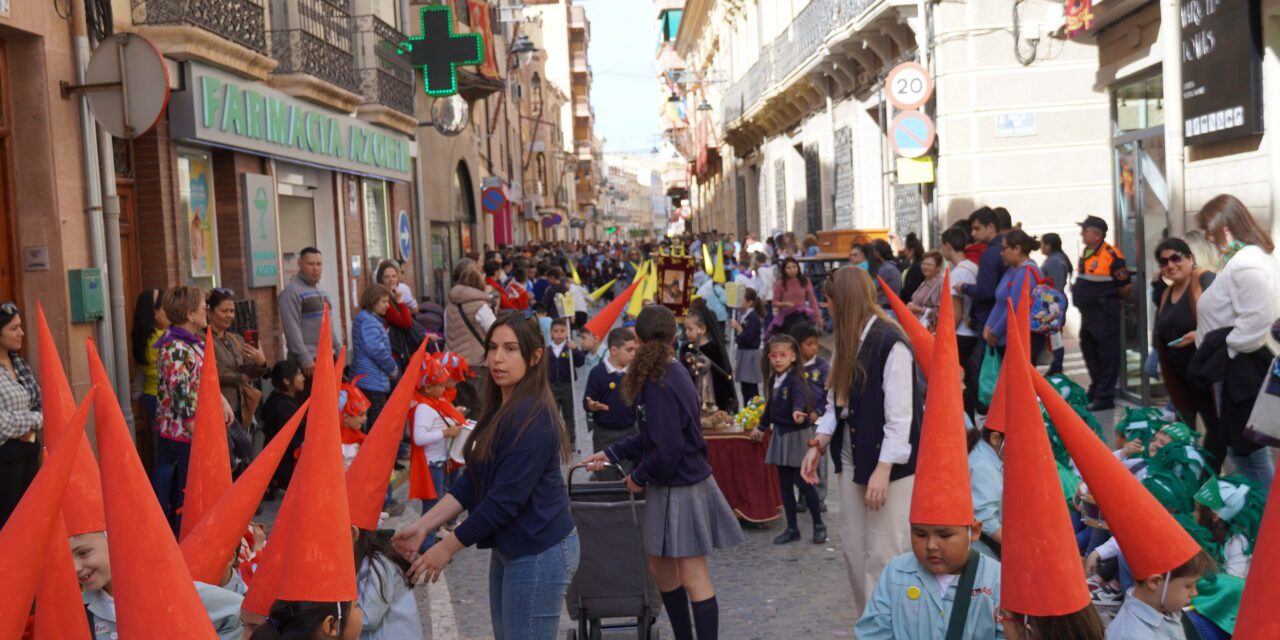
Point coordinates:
pixel 1245 296
pixel 896 446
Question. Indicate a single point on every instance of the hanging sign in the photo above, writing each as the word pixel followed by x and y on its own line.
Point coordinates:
pixel 1221 70
pixel 915 170
pixel 404 234
pixel 912 134
pixel 1079 17
pixel 908 86
pixel 439 52
pixel 261 230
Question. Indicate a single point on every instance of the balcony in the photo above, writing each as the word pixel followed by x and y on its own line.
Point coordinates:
pixel 578 19
pixel 316 39
pixel 386 79
pixel 230 33
pixel 580 63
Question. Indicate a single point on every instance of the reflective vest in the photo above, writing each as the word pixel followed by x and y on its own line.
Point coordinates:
pixel 1104 265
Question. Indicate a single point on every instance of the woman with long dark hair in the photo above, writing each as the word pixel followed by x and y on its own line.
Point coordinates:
pixel 793 298
pixel 20 414
pixel 149 325
pixel 291 620
pixel 513 492
pixel 913 275
pixel 686 516
pixel 872 369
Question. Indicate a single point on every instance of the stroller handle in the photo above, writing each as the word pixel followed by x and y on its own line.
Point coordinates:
pixel 631 497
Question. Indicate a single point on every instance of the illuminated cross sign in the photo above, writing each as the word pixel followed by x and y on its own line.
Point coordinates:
pixel 439 53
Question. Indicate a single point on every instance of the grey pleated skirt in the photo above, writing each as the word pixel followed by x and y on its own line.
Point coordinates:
pixel 746 368
pixel 682 522
pixel 788 449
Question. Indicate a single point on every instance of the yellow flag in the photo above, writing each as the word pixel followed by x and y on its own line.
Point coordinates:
pixel 718 275
pixel 706 259
pixel 637 294
pixel 573 271
pixel 651 284
pixel 595 295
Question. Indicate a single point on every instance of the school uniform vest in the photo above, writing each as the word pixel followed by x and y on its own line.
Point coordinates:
pixel 866 409
pixel 560 369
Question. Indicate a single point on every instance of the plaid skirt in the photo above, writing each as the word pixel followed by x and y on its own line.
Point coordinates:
pixel 788 449
pixel 688 521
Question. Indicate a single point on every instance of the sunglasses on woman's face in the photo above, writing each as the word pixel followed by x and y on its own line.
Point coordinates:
pixel 1175 258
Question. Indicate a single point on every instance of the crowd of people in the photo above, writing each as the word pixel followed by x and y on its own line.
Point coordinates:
pixel 966 480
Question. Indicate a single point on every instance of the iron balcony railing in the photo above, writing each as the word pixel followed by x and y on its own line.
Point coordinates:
pixel 385 76
pixel 240 21
pixel 803 37
pixel 315 38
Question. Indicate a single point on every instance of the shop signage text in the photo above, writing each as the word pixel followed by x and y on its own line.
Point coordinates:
pixel 1221 70
pixel 225 110
pixel 261 230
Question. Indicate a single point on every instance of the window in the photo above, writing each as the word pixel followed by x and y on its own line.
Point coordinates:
pixel 195 200
pixel 536 91
pixel 542 174
pixel 377 235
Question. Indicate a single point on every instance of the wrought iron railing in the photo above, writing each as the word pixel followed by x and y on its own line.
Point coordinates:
pixel 385 76
pixel 316 39
pixel 240 21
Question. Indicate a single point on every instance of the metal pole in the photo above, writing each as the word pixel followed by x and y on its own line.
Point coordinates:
pixel 115 275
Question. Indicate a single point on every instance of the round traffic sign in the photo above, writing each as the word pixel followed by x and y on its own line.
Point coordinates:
pixel 912 134
pixel 492 199
pixel 404 234
pixel 131 108
pixel 908 86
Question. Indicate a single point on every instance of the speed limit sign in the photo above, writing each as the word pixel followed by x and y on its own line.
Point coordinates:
pixel 908 86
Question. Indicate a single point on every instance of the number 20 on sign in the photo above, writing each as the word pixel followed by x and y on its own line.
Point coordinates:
pixel 908 86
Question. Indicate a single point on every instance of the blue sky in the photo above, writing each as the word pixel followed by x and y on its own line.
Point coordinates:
pixel 625 92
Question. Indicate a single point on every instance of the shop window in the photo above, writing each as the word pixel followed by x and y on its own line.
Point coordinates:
pixel 1139 104
pixel 195 201
pixel 377 234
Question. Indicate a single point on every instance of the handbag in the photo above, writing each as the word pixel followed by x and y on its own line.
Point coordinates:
pixel 988 375
pixel 1264 419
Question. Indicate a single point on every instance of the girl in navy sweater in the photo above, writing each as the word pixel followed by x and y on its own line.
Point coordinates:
pixel 513 492
pixel 747 325
pixel 686 516
pixel 795 402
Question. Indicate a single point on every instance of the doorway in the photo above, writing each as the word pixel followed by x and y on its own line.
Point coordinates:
pixel 441 262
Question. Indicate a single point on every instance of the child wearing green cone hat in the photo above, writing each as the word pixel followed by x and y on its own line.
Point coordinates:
pixel 1230 508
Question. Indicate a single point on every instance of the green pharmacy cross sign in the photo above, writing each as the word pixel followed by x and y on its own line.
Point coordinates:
pixel 439 52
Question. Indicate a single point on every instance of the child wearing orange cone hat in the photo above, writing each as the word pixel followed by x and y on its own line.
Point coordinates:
pixel 435 421
pixel 1042 583
pixel 941 583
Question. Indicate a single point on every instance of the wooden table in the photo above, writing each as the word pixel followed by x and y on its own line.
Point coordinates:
pixel 748 484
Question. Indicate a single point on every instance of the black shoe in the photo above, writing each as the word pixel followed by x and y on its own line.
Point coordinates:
pixel 819 534
pixel 1101 404
pixel 787 537
pixel 802 508
pixel 822 507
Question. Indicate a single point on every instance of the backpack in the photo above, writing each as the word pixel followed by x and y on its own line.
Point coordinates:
pixel 1048 306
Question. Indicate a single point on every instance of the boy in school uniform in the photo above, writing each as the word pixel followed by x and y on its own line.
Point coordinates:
pixel 614 418
pixel 816 370
pixel 565 357
pixel 942 585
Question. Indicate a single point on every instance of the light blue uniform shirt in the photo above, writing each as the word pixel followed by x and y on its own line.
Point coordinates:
pixel 1136 620
pixel 223 607
pixel 986 475
pixel 390 612
pixel 894 613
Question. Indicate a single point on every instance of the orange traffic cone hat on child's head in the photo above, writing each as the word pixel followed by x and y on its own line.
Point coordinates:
pixel 1041 573
pixel 942 494
pixel 370 472
pixel 319 563
pixel 209 474
pixel 155 597
pixel 1152 541
pixel 25 539
pixel 212 544
pixel 921 339
pixel 82 503
pixel 602 322
pixel 1259 616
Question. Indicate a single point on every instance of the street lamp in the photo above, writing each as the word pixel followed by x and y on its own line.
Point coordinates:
pixel 524 49
pixel 704 105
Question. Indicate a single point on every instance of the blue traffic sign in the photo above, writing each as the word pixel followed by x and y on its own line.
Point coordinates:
pixel 492 199
pixel 912 134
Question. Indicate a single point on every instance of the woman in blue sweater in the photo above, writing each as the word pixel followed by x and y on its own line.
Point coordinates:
pixel 1016 253
pixel 513 493
pixel 373 363
pixel 686 516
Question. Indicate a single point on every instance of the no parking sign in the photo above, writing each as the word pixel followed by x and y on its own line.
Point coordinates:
pixel 912 134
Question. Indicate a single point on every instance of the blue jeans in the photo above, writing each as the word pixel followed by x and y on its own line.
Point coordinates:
pixel 170 478
pixel 437 479
pixel 1256 465
pixel 526 594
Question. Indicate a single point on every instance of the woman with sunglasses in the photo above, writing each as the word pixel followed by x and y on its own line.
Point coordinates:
pixel 20 414
pixel 1176 294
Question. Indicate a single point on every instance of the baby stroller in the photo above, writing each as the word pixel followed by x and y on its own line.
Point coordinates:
pixel 613 579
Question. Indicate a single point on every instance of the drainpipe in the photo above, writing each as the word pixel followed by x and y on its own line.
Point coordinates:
pixel 1174 140
pixel 115 272
pixel 93 154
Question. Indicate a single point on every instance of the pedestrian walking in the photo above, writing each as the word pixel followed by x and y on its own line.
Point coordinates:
pixel 1100 289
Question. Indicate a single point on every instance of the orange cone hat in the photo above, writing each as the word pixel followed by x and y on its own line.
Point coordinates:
pixel 1040 573
pixel 942 494
pixel 921 339
pixel 1259 616
pixel 602 322
pixel 25 539
pixel 82 504
pixel 319 562
pixel 59 607
pixel 210 546
pixel 155 597
pixel 996 411
pixel 1153 542
pixel 370 472
pixel 266 577
pixel 209 474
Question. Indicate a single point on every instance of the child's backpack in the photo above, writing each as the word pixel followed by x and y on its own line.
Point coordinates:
pixel 1048 307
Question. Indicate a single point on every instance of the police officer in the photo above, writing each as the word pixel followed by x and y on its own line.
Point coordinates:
pixel 1100 287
